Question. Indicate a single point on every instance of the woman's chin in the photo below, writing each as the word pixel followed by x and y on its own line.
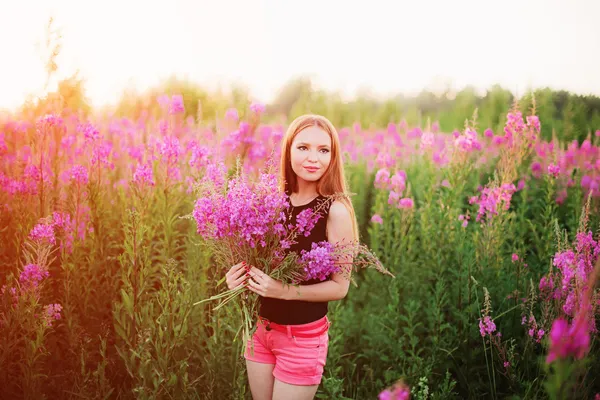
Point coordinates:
pixel 310 178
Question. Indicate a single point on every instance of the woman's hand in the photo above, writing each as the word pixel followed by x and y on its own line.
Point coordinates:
pixel 236 276
pixel 265 286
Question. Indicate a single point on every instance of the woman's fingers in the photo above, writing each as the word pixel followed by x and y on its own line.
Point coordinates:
pixel 236 267
pixel 238 273
pixel 239 281
pixel 233 271
pixel 255 287
pixel 258 275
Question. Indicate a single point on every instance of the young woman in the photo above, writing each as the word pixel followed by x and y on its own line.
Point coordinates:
pixel 291 340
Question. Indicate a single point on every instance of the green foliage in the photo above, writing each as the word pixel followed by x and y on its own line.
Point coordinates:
pixel 128 329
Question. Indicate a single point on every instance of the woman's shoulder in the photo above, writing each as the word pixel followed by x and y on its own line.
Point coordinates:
pixel 338 208
pixel 339 222
pixel 338 212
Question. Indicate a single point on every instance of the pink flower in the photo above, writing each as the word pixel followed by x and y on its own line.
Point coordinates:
pixel 257 108
pixel 232 113
pixel 65 225
pixel 382 178
pixel 536 169
pixel 31 276
pixel 393 197
pixel 43 233
pixel 553 170
pixel 427 140
pixel 406 202
pixel 176 106
pixel 398 181
pixel 3 146
pixel 248 212
pixel 398 391
pixel 319 262
pixel 465 220
pixel 546 284
pixel 492 199
pixel 200 156
pixel 401 394
pixel 163 100
pixel 78 175
pixel 540 333
pixel 143 175
pixel 498 140
pixel 515 257
pixel 486 326
pixel 48 121
pixel 568 340
pixel 90 132
pixel 376 218
pixel 51 313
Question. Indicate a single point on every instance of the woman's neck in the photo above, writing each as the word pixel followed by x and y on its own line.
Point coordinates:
pixel 306 192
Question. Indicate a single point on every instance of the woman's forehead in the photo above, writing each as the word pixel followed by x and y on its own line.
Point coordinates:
pixel 313 135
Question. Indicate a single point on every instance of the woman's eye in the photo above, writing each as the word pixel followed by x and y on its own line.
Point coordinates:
pixel 301 147
pixel 325 151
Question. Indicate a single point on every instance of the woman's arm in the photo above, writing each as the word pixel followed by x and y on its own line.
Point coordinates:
pixel 339 229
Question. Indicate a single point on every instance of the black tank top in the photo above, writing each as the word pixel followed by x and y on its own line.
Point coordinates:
pixel 296 312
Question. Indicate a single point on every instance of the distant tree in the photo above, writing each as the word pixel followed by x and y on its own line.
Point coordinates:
pixel 289 95
pixel 574 120
pixel 494 107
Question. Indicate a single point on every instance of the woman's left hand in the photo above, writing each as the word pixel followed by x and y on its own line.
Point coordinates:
pixel 265 286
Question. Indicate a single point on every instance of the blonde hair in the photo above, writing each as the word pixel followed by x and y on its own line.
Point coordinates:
pixel 334 180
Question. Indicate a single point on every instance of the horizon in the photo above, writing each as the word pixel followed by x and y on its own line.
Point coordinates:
pixel 249 44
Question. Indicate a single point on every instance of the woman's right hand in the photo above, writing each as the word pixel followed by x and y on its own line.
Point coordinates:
pixel 236 275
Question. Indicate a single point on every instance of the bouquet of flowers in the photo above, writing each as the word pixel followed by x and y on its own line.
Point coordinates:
pixel 245 220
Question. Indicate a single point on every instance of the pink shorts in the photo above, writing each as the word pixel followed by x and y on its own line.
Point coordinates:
pixel 298 360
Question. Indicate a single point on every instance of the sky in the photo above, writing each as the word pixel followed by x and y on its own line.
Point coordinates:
pixel 345 45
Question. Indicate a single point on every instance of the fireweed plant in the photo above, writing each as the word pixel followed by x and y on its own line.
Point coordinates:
pixel 491 235
pixel 242 219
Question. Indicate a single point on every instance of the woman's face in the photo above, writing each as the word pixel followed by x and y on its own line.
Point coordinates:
pixel 311 153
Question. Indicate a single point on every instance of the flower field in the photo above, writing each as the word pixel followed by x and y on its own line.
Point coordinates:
pixel 493 238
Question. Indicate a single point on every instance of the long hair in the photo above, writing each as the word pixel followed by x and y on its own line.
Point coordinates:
pixel 333 180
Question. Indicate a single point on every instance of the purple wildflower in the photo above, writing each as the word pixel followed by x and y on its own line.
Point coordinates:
pixel 43 233
pixel 31 276
pixel 553 170
pixel 382 178
pixel 51 313
pixel 78 175
pixel 568 340
pixel 319 262
pixel 376 218
pixel 486 326
pixel 143 175
pixel 406 202
pixel 232 114
pixel 176 105
pixel 257 108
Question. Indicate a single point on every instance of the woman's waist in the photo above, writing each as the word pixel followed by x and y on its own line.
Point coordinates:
pixel 310 329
